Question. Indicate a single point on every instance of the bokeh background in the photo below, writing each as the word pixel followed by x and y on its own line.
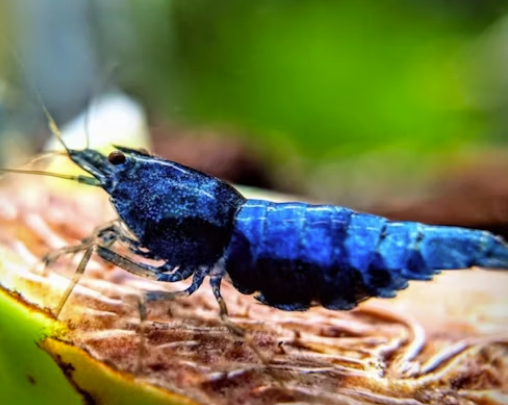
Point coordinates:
pixel 399 107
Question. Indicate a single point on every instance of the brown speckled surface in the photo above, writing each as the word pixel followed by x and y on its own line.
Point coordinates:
pixel 440 342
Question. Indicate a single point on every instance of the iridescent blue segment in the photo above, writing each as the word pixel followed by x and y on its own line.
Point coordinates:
pixel 300 255
pixel 362 239
pixel 285 240
pixel 316 236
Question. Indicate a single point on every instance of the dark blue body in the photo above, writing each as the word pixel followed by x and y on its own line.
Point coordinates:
pixel 181 216
pixel 291 255
pixel 297 255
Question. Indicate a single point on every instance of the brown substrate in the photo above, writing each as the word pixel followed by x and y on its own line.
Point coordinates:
pixel 441 342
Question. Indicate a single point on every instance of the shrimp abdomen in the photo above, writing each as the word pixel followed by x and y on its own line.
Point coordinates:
pixel 295 255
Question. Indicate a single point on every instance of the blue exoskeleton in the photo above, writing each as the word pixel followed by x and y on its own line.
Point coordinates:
pixel 292 255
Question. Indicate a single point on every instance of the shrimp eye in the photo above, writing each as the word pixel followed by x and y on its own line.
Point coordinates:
pixel 116 158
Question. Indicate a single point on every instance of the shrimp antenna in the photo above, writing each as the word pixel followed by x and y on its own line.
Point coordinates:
pixel 80 179
pixel 43 156
pixel 51 122
pixel 97 90
pixel 38 158
pixel 87 123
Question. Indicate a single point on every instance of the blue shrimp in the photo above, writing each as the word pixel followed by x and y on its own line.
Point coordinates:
pixel 292 255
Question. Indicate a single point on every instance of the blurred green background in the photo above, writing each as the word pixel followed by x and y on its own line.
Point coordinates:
pixel 353 102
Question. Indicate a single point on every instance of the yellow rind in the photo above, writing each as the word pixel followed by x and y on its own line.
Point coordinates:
pixel 37 367
pixel 28 375
pixel 101 384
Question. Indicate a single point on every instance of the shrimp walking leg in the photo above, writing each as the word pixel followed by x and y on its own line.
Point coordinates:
pixel 88 245
pixel 77 275
pixel 105 235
